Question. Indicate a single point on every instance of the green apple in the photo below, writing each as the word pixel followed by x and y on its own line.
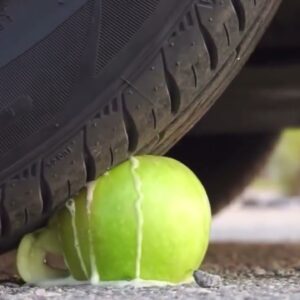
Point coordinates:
pixel 146 219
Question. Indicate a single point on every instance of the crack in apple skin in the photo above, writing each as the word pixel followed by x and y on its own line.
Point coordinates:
pixel 139 213
pixel 70 205
pixel 95 276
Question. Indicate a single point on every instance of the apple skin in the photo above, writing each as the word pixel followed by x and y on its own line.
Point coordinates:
pixel 149 219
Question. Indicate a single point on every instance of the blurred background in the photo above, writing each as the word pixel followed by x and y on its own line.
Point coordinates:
pixel 268 211
pixel 282 172
pixel 246 149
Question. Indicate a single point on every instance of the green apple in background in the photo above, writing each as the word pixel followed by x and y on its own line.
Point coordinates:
pixel 146 219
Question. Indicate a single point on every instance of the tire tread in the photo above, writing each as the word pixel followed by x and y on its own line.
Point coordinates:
pixel 140 118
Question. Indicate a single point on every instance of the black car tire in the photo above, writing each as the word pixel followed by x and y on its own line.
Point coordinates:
pixel 265 95
pixel 85 84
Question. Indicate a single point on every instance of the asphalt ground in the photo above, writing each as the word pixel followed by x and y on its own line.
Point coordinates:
pixel 254 254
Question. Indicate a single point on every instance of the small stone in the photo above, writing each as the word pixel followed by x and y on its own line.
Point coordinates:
pixel 297 268
pixel 40 292
pixel 206 280
pixel 284 273
pixel 258 271
pixel 10 285
pixel 45 293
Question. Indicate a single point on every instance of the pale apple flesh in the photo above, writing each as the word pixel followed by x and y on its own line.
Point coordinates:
pixel 31 256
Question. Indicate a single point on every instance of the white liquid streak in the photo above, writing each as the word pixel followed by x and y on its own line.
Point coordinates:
pixel 95 276
pixel 139 213
pixel 137 283
pixel 70 205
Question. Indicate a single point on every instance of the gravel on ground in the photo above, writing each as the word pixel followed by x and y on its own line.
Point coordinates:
pixel 262 261
pixel 248 271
